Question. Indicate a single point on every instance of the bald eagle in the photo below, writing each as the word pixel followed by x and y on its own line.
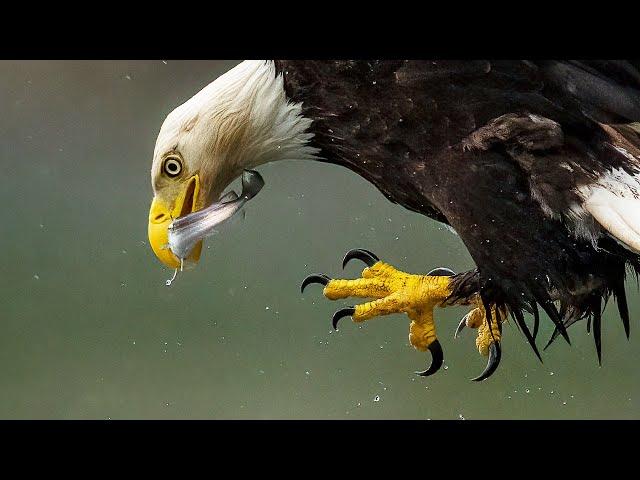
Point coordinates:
pixel 534 164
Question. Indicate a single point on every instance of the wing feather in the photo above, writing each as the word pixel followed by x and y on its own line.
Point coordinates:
pixel 618 215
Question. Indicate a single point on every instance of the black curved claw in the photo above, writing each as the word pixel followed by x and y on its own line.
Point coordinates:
pixel 314 278
pixel 345 312
pixel 495 354
pixel 441 272
pixel 461 325
pixel 361 254
pixel 437 358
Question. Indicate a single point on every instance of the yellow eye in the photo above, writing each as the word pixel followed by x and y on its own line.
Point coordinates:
pixel 172 166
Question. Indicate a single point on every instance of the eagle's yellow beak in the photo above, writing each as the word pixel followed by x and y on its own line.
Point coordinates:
pixel 161 215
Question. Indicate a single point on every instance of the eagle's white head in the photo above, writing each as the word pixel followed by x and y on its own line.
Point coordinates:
pixel 241 120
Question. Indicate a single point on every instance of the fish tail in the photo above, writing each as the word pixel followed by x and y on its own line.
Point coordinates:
pixel 229 197
pixel 252 183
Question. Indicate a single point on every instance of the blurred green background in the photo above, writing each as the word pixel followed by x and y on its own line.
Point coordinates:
pixel 88 328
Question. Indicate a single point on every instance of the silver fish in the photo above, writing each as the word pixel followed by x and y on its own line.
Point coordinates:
pixel 185 232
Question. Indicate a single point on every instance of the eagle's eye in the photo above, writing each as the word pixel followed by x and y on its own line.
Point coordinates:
pixel 172 166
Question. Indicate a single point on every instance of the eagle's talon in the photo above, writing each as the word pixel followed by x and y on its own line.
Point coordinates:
pixel 344 312
pixel 441 272
pixel 366 256
pixel 319 278
pixel 394 291
pixel 461 325
pixel 437 359
pixel 495 354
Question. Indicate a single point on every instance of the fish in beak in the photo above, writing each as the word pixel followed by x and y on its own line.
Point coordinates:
pixel 161 215
pixel 176 237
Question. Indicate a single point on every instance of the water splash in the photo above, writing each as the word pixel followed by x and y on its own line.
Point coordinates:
pixel 170 280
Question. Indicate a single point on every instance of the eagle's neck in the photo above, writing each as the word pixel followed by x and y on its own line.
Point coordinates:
pixel 255 123
pixel 263 124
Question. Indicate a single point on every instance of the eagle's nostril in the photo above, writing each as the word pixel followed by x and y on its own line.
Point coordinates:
pixel 159 217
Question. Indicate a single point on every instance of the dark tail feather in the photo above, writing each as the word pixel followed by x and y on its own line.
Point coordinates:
pixel 623 308
pixel 536 319
pixel 570 315
pixel 554 335
pixel 252 183
pixel 597 324
pixel 550 309
pixel 487 311
pixel 547 305
pixel 519 319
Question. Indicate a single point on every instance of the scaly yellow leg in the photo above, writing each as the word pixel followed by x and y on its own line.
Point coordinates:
pixel 360 287
pixel 489 334
pixel 394 291
pixel 476 318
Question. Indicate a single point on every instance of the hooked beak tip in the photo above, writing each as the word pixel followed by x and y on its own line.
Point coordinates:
pixel 162 215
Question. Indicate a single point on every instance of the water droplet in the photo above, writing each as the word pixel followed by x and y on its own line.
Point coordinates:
pixel 460 416
pixel 307 372
pixel 527 390
pixel 36 276
pixel 168 282
pixel 551 373
pixel 376 398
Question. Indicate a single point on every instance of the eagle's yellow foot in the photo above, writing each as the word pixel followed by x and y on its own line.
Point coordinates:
pixel 394 292
pixel 416 295
pixel 489 334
